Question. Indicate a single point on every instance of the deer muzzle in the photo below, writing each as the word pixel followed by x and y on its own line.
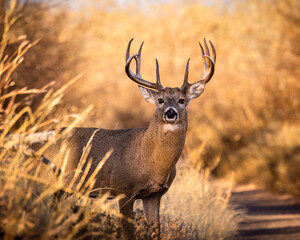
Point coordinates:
pixel 170 115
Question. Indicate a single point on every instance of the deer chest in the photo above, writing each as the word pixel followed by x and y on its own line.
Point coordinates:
pixel 152 188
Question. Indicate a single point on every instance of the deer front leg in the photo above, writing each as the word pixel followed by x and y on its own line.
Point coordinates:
pixel 151 211
pixel 126 209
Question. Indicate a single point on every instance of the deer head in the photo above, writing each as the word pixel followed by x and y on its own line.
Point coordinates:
pixel 171 102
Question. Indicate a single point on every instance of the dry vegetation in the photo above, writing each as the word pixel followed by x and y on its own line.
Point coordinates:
pixel 248 116
pixel 194 208
pixel 247 120
pixel 28 209
pixel 29 104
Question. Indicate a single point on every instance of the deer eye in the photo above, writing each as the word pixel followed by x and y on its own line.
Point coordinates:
pixel 160 101
pixel 181 101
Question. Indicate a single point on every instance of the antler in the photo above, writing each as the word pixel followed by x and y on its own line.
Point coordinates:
pixel 209 66
pixel 137 77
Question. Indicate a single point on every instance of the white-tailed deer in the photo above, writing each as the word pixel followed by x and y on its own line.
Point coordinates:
pixel 142 164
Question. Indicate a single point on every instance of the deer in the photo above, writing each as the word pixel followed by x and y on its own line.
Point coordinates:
pixel 142 164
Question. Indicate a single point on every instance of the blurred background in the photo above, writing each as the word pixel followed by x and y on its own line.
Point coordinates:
pixel 245 125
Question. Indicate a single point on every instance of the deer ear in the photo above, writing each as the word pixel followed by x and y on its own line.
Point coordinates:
pixel 195 90
pixel 148 94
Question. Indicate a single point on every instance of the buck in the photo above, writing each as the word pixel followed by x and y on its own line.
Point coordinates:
pixel 142 164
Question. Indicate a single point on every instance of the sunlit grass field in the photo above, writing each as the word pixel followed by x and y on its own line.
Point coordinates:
pixel 244 128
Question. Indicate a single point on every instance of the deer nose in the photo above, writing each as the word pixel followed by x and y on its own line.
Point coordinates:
pixel 171 114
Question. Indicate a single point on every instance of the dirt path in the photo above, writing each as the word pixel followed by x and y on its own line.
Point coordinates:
pixel 269 216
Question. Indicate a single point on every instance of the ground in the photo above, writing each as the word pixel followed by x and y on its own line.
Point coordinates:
pixel 268 215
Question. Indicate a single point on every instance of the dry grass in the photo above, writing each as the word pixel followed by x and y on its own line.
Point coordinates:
pixel 195 207
pixel 199 207
pixel 29 208
pixel 248 117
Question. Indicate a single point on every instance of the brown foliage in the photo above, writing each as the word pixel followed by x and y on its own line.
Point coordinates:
pixel 28 206
pixel 249 113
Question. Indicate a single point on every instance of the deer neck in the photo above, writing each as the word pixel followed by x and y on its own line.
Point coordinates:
pixel 163 144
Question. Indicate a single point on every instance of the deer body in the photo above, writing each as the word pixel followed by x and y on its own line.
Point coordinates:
pixel 133 173
pixel 142 164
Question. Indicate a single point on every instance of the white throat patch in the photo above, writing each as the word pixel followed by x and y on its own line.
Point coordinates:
pixel 168 127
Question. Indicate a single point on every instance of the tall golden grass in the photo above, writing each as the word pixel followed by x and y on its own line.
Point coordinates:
pixel 195 208
pixel 28 209
pixel 28 206
pixel 247 120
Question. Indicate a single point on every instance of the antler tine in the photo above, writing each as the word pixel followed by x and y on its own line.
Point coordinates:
pixel 137 77
pixel 139 61
pixel 128 50
pixel 203 54
pixel 185 84
pixel 213 51
pixel 207 63
pixel 158 83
